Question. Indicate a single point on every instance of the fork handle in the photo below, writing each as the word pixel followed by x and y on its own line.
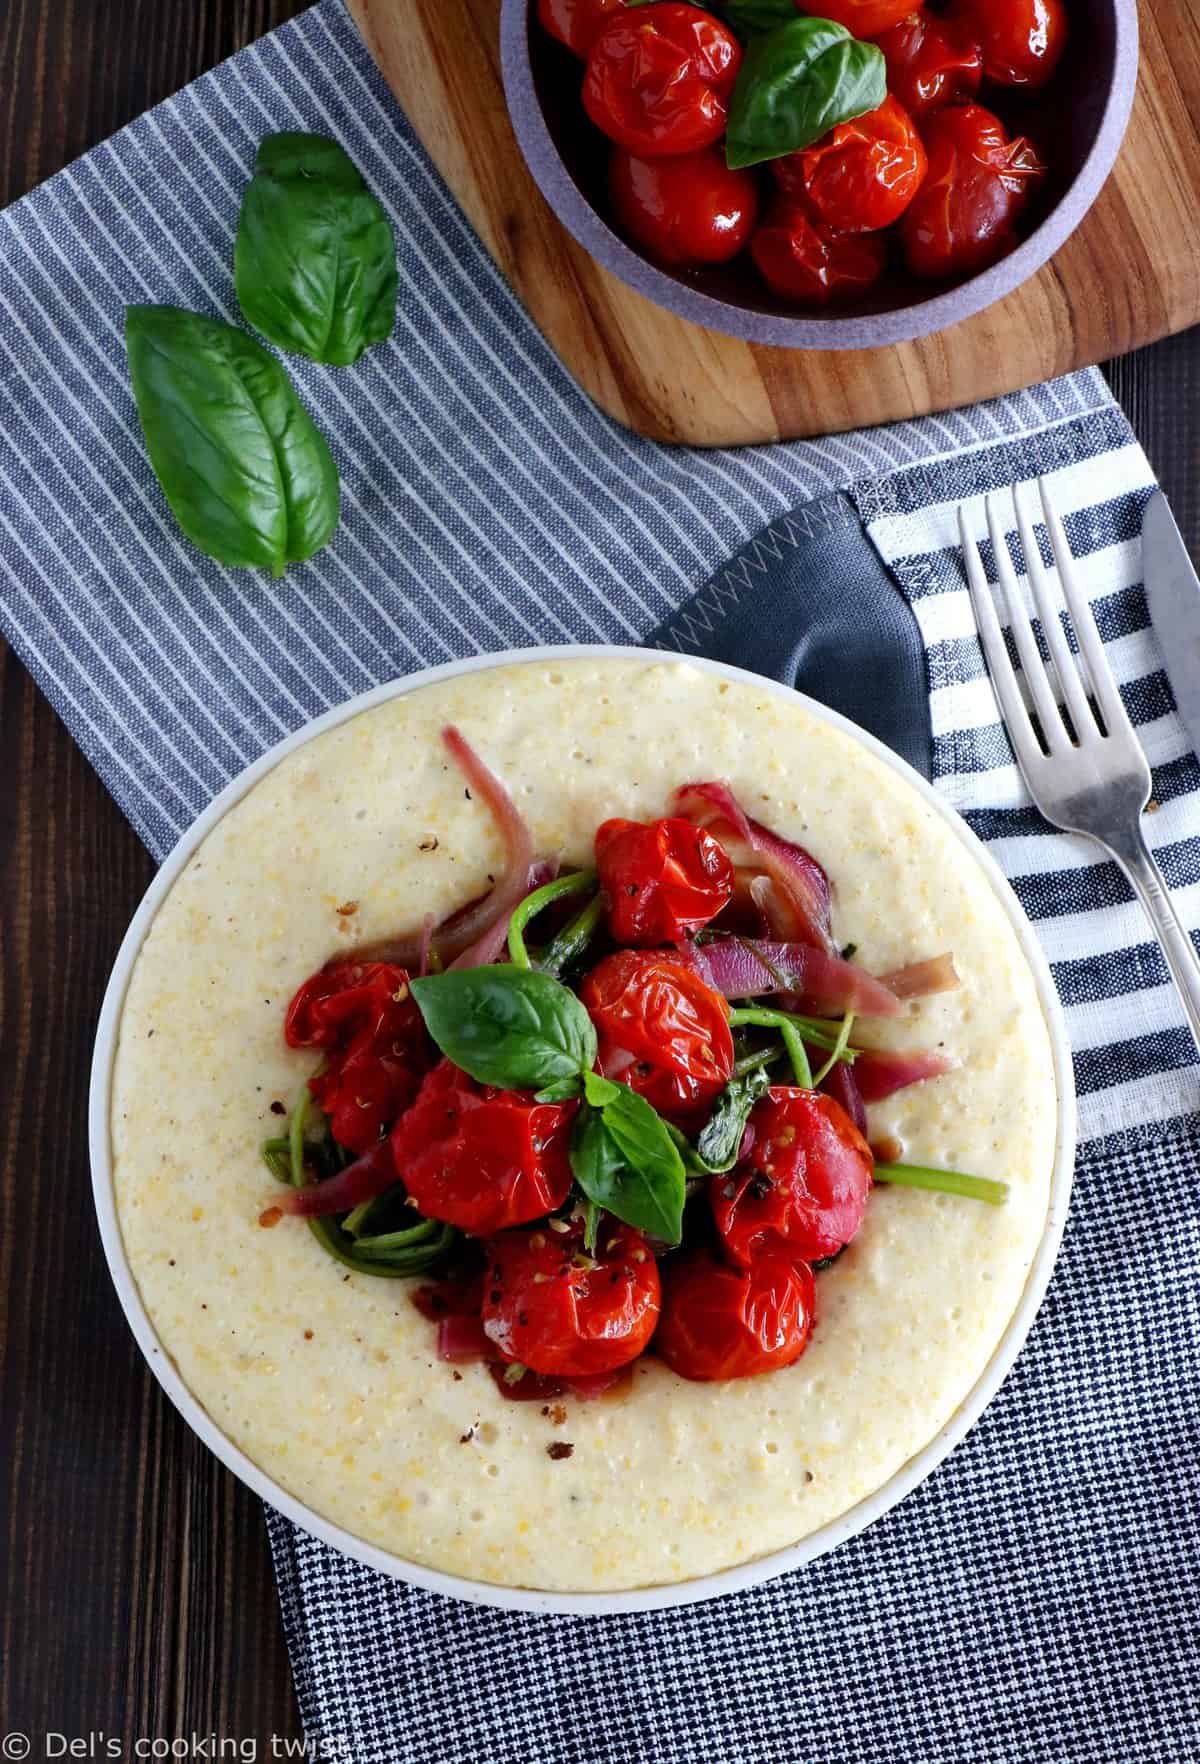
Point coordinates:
pixel 1150 886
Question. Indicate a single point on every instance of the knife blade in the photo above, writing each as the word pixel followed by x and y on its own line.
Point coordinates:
pixel 1173 596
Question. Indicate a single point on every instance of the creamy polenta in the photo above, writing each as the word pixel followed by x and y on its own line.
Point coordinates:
pixel 328 1380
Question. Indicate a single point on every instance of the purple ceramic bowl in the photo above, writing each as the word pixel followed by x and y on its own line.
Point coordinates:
pixel 1080 124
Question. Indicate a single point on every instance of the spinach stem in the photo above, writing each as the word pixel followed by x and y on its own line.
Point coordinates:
pixel 815 1029
pixel 766 1056
pixel 796 1053
pixel 839 1048
pixel 296 1138
pixel 573 939
pixel 532 905
pixel 980 1188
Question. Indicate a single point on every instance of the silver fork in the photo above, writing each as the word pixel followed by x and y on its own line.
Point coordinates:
pixel 1097 782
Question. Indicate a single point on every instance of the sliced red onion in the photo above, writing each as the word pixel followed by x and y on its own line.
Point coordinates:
pixel 461 1337
pixel 922 979
pixel 801 905
pixel 469 924
pixel 739 967
pixel 490 947
pixel 360 1181
pixel 879 1073
pixel 708 803
pixel 802 882
pixel 841 1084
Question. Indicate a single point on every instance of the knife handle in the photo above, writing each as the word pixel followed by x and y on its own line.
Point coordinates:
pixel 1151 889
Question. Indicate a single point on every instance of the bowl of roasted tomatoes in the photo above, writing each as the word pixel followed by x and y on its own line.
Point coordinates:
pixel 843 174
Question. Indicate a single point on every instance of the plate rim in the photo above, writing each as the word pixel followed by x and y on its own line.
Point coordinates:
pixel 725 1581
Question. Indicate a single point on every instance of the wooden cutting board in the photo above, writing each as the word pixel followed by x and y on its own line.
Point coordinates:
pixel 1130 274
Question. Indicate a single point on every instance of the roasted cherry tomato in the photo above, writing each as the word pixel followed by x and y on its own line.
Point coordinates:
pixel 720 1322
pixel 803 261
pixel 479 1158
pixel 964 215
pixel 660 1011
pixel 930 62
pixel 862 18
pixel 862 175
pixel 664 879
pixel 688 209
pixel 557 1310
pixel 804 1189
pixel 659 78
pixel 1022 41
pixel 575 22
pixel 362 1014
pixel 685 1101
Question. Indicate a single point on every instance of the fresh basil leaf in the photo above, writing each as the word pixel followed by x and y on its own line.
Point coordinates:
pixel 599 1091
pixel 591 1225
pixel 717 1146
pixel 625 1160
pixel 563 1090
pixel 507 1026
pixel 795 84
pixel 315 259
pixel 247 473
pixel 749 17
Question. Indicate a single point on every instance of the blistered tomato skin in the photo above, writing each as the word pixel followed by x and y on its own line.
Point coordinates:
pixel 862 18
pixel 576 22
pixel 550 1306
pixel 479 1158
pixel 931 62
pixel 364 1018
pixel 862 175
pixel 720 1323
pixel 803 262
pixel 659 78
pixel 685 1101
pixel 964 216
pixel 803 1191
pixel 685 210
pixel 1022 41
pixel 658 1010
pixel 664 879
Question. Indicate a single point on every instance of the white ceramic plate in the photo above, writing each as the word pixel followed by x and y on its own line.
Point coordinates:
pixel 509 1598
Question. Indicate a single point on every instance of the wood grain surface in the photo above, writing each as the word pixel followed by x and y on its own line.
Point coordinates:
pixel 136 1592
pixel 1130 274
pixel 135 1588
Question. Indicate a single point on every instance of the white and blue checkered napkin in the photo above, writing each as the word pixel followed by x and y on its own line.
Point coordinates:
pixel 1038 1597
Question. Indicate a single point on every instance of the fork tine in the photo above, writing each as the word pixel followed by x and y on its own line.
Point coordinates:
pixel 1116 718
pixel 1004 680
pixel 1060 650
pixel 1054 732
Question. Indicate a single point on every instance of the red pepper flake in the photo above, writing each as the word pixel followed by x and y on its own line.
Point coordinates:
pixel 467 1437
pixel 555 1413
pixel 887 1150
pixel 278 1108
pixel 348 910
pixel 559 1449
pixel 429 844
pixel 270 1216
pixel 308 1335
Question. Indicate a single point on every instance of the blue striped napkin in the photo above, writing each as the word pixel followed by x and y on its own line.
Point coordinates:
pixel 1037 1598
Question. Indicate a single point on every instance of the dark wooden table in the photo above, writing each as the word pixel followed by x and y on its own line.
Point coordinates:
pixel 136 1595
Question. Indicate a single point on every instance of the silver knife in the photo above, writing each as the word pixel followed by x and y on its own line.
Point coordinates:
pixel 1173 596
